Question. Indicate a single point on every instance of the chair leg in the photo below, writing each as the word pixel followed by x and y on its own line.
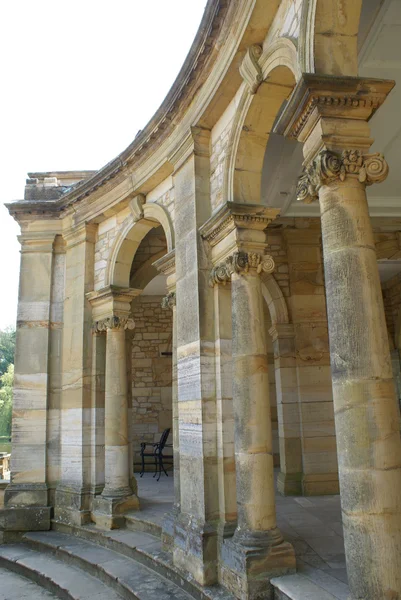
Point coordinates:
pixel 143 466
pixel 162 465
pixel 156 465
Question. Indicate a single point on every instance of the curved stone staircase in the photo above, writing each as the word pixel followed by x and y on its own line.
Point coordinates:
pixel 86 563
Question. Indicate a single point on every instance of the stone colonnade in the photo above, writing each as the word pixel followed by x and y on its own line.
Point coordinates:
pixel 329 115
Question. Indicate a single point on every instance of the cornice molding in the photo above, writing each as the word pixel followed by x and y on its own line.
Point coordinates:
pixel 166 264
pixel 234 215
pixel 315 96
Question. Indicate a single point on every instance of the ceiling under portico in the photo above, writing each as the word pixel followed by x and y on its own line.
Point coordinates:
pixel 379 57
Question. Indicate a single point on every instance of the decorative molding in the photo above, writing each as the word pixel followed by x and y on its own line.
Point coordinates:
pixel 169 301
pixel 241 263
pixel 329 166
pixel 113 323
pixel 322 95
pixel 236 216
pixel 166 264
pixel 250 69
pixel 136 206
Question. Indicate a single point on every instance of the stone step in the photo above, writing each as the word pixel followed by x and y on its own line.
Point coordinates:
pixel 17 587
pixel 64 581
pixel 300 587
pixel 125 576
pixel 147 550
pixel 144 521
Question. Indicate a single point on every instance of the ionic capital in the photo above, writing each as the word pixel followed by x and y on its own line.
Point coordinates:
pixel 169 301
pixel 114 322
pixel 241 263
pixel 328 166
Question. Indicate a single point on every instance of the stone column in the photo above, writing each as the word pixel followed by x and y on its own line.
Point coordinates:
pixel 195 533
pixel 73 489
pixel 366 417
pixel 257 551
pixel 97 412
pixel 166 266
pixel 225 412
pixel 289 480
pixel 26 498
pixel 169 302
pixel 117 496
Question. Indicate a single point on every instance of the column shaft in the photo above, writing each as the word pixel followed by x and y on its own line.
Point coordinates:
pixel 366 414
pixel 253 437
pixel 116 417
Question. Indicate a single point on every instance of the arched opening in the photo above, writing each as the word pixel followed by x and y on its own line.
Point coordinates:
pixel 255 125
pixel 151 350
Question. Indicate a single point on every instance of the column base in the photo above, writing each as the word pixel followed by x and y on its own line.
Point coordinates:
pixel 25 508
pixel 314 484
pixel 246 571
pixel 168 528
pixel 195 548
pixel 108 512
pixel 320 484
pixel 72 505
pixel 289 484
pixel 25 518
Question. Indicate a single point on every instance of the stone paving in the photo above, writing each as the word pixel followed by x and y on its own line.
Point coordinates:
pixel 16 587
pixel 313 525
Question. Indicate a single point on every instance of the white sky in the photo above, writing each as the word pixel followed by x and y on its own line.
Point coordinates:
pixel 78 80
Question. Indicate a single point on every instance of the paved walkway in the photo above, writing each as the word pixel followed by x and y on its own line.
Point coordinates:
pixel 313 525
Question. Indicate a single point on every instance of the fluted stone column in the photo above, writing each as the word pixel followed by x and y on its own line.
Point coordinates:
pixel 257 550
pixel 330 116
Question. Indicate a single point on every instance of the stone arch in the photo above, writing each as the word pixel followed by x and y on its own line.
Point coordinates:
pixel 329 36
pixel 128 240
pixel 254 119
pixel 274 299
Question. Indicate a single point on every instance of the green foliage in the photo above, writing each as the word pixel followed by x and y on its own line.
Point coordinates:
pixel 6 400
pixel 7 349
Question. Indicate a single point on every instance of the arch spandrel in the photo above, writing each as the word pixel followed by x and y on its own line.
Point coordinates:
pixel 128 240
pixel 329 37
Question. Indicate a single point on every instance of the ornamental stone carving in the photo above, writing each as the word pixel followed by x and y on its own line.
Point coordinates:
pixel 113 323
pixel 250 69
pixel 241 263
pixel 329 166
pixel 169 301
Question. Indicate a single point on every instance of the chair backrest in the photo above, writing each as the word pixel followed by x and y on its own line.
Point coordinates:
pixel 164 438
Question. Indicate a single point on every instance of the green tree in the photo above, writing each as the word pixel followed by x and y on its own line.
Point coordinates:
pixel 6 400
pixel 7 349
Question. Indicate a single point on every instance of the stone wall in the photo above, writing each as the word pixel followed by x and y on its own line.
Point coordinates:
pixel 151 372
